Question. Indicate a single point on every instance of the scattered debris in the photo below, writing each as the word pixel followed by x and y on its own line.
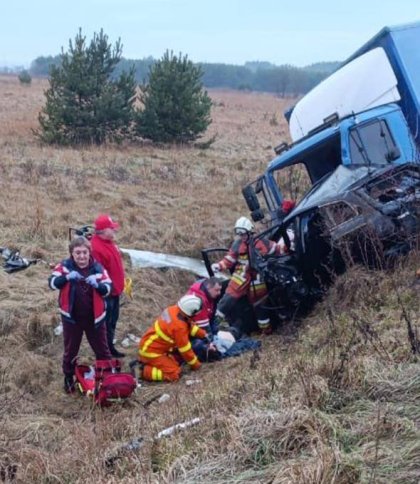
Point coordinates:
pixel 125 343
pixel 164 398
pixel 129 340
pixel 131 446
pixel 58 330
pixel 192 382
pixel 184 425
pixel 133 338
pixel 144 258
pixel 13 261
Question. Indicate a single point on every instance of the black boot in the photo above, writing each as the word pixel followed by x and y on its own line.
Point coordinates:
pixel 69 384
pixel 115 352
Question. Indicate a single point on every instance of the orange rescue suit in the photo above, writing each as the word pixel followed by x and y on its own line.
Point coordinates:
pixel 170 333
pixel 244 280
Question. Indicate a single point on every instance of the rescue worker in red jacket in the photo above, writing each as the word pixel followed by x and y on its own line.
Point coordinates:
pixel 107 253
pixel 209 291
pixel 171 333
pixel 245 281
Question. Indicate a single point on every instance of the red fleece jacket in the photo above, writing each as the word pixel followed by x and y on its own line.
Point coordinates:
pixel 107 253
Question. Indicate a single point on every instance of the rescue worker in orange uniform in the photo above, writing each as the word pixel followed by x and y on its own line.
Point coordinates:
pixel 168 341
pixel 245 281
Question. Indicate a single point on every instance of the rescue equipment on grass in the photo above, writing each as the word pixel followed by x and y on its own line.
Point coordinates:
pixel 128 287
pixel 104 383
pixel 14 262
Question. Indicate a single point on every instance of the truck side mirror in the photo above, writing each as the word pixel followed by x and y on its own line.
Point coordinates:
pixel 393 154
pixel 251 198
pixel 257 215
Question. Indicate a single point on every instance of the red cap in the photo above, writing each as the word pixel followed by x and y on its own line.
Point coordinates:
pixel 105 222
pixel 288 205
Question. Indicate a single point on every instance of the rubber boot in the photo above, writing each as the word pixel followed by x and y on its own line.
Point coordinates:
pixel 69 383
pixel 115 352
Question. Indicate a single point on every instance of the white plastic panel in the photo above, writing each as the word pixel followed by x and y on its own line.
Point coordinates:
pixel 364 83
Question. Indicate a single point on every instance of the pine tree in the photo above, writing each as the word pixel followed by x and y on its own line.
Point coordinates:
pixel 84 104
pixel 176 108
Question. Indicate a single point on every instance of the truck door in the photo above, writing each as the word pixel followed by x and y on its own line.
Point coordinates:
pixel 377 142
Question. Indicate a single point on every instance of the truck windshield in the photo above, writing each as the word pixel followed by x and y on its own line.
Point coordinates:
pixel 372 143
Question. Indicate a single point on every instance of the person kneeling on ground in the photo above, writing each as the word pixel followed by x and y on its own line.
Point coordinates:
pixel 209 291
pixel 83 285
pixel 171 333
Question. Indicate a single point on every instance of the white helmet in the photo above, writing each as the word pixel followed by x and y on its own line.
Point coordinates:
pixel 190 304
pixel 243 226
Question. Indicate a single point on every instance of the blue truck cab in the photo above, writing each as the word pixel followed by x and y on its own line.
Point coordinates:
pixel 367 113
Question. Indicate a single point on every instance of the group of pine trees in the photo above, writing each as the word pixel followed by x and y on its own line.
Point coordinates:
pixel 87 103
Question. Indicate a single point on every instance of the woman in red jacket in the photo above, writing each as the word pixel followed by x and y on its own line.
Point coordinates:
pixel 83 285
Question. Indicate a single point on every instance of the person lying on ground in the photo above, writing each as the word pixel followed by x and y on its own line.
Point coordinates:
pixel 83 284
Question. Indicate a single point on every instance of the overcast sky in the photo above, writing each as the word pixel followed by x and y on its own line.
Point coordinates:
pixel 297 32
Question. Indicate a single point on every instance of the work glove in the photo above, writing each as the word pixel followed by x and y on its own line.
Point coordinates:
pixel 215 267
pixel 74 276
pixel 92 281
pixel 208 338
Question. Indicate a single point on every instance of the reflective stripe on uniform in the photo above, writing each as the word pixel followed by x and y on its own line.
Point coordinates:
pixel 193 361
pixel 144 348
pixel 194 330
pixel 185 348
pixel 259 285
pixel 202 322
pixel 161 334
pixel 263 323
pixel 149 355
pixel 157 374
pixel 238 279
pixel 272 250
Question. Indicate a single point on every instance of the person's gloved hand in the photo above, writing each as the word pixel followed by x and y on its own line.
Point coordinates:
pixel 208 338
pixel 92 281
pixel 74 276
pixel 215 267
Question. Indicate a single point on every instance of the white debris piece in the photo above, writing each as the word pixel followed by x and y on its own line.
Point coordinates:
pixel 144 258
pixel 164 398
pixel 126 342
pixel 184 425
pixel 58 329
pixel 192 382
pixel 133 338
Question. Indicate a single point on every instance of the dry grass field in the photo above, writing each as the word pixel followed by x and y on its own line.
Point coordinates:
pixel 335 400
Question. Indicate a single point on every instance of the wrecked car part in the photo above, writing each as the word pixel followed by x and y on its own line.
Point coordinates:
pixel 368 216
pixel 144 259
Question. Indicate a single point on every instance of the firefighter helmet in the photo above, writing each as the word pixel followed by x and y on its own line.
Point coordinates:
pixel 243 226
pixel 190 304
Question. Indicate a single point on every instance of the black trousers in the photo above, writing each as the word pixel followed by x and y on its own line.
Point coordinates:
pixel 112 315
